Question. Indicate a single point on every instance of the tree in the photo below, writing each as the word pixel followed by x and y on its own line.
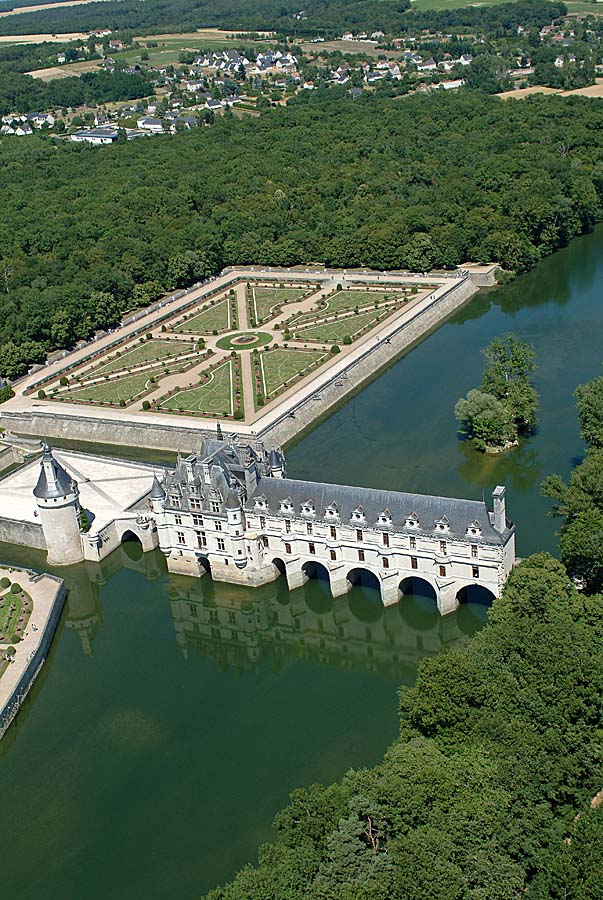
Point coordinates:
pixel 510 362
pixel 589 400
pixel 581 545
pixel 484 419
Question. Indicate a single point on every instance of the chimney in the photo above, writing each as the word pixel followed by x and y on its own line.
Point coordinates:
pixel 500 519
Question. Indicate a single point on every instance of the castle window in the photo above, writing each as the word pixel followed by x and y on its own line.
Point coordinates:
pixel 177 520
pixel 287 548
pixel 333 532
pixel 442 571
pixel 265 540
pixel 475 572
pixel 311 549
pixel 358 534
pixel 474 551
pixel 262 521
pixel 414 563
pixel 197 520
pixel 215 506
pixel 218 526
pixel 194 502
pixel 309 528
pixel 333 555
pixel 201 540
pixel 442 546
pixel 385 562
pixel 288 526
pixel 413 543
pixel 174 500
pixel 386 540
pixel 221 544
pixel 361 555
pixel 180 537
pixel 231 618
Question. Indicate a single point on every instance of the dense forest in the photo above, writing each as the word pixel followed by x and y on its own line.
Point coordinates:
pixel 24 93
pixel 407 183
pixel 486 794
pixel 330 17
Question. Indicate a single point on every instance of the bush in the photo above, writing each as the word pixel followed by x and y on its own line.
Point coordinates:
pixel 16 588
pixel 6 393
pixel 163 328
pixel 4 582
pixel 146 404
pixel 260 400
pixel 149 336
pixel 347 339
pixel 122 403
pixel 63 381
pixel 41 394
pixel 335 349
pixel 15 638
pixel 238 414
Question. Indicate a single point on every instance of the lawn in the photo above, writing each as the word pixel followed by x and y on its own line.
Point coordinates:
pixel 149 351
pixel 348 300
pixel 214 397
pixel 278 367
pixel 11 608
pixel 113 390
pixel 336 331
pixel 213 318
pixel 264 299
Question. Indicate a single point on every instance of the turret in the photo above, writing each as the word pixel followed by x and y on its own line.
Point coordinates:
pixel 57 498
pixel 236 529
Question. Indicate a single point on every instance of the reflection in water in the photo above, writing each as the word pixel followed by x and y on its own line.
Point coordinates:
pixel 242 629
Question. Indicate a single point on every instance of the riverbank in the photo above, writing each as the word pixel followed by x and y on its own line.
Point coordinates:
pixel 48 594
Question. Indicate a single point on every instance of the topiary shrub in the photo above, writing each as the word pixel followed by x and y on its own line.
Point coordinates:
pixel 16 588
pixel 347 339
pixel 41 394
pixel 63 381
pixel 122 403
pixel 335 349
pixel 146 404
pixel 238 414
pixel 4 582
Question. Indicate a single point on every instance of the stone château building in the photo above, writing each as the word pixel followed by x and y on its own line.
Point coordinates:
pixel 231 510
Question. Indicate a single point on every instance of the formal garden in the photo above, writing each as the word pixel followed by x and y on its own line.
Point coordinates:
pixel 265 301
pixel 218 394
pixel 15 609
pixel 277 369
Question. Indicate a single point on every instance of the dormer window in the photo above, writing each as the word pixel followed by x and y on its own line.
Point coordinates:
pixel 307 508
pixel 474 529
pixel 358 515
pixel 287 505
pixel 331 511
pixel 174 499
pixel 385 518
pixel 260 503
pixel 442 525
pixel 411 521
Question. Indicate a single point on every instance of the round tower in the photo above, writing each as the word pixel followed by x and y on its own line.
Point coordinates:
pixel 57 498
pixel 276 461
pixel 236 530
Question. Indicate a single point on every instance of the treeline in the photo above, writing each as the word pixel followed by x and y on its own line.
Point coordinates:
pixel 328 17
pixel 25 57
pixel 487 791
pixel 24 93
pixel 412 183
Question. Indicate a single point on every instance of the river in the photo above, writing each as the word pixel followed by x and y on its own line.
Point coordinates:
pixel 174 716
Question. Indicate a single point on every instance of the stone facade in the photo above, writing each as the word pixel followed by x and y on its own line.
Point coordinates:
pixel 231 511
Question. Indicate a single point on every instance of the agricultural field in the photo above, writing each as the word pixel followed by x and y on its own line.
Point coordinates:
pixel 279 367
pixel 347 326
pixel 213 318
pixel 263 299
pixel 214 397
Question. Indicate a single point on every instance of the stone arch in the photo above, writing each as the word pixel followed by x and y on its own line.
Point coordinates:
pixel 128 535
pixel 419 603
pixel 204 565
pixel 476 594
pixel 474 602
pixel 364 578
pixel 317 587
pixel 282 587
pixel 279 566
pixel 131 545
pixel 314 570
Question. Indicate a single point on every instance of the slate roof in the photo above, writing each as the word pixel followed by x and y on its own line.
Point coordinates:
pixel 460 513
pixel 58 485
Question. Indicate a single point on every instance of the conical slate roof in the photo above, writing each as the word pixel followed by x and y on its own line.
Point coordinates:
pixel 157 492
pixel 53 481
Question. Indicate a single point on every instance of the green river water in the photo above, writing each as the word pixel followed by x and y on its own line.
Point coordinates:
pixel 174 716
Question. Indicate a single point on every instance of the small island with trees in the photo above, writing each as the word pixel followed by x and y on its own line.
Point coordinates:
pixel 505 406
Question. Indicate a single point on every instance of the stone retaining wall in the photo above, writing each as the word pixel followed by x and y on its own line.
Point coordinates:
pixel 25 534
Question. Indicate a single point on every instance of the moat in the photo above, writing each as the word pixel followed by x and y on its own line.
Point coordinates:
pixel 156 746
